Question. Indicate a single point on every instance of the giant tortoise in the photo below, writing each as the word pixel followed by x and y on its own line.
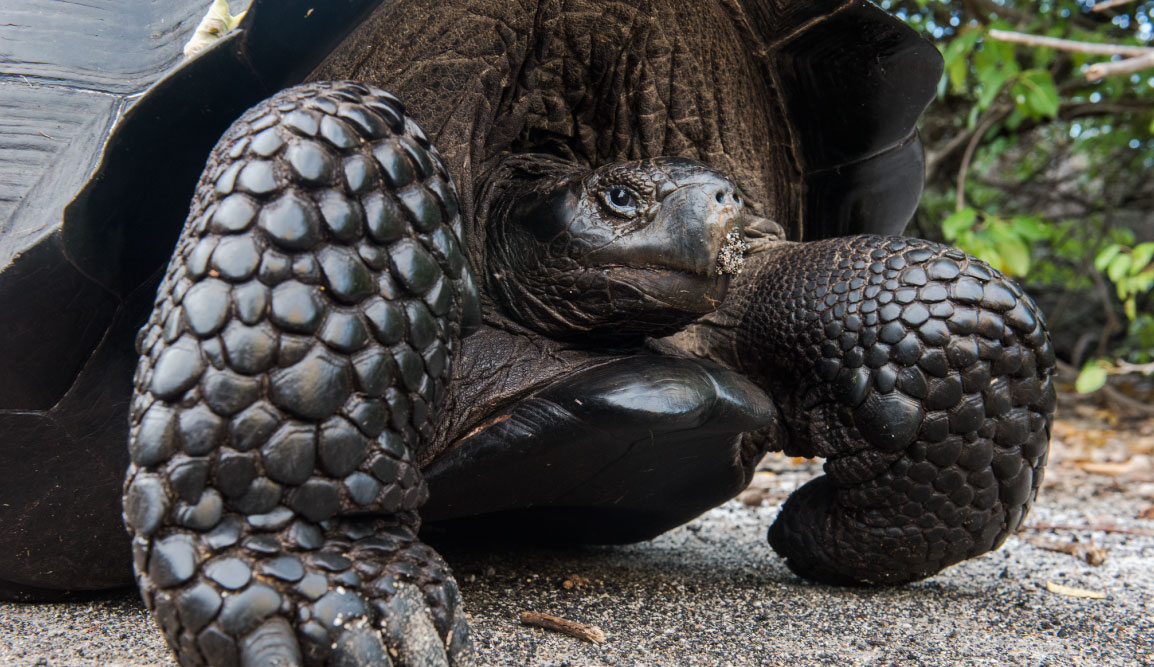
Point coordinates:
pixel 632 249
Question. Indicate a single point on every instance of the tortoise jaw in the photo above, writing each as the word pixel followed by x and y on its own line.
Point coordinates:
pixel 690 293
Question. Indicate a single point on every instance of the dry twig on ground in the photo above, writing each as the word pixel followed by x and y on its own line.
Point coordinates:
pixel 1087 552
pixel 590 633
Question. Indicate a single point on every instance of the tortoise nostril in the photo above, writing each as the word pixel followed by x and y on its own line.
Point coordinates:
pixel 737 199
pixel 720 196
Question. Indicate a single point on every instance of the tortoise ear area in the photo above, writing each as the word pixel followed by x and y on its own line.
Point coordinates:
pixel 761 234
pixel 546 217
pixel 759 229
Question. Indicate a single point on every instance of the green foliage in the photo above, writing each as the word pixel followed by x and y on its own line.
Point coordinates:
pixel 1005 244
pixel 1092 378
pixel 1131 271
pixel 1054 185
pixel 1035 95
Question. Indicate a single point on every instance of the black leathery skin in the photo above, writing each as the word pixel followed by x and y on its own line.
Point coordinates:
pixel 284 383
pixel 923 376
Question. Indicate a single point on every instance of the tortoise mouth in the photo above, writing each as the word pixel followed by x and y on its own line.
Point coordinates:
pixel 691 292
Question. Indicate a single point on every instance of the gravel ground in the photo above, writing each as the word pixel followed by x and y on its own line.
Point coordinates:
pixel 714 593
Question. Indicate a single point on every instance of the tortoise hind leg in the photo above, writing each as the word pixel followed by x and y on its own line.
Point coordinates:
pixel 291 371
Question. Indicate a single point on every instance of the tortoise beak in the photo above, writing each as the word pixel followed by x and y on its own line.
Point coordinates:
pixel 701 221
pixel 684 257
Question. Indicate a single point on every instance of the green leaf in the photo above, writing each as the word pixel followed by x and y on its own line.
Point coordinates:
pixel 1091 379
pixel 1012 247
pixel 992 81
pixel 956 56
pixel 1118 268
pixel 1031 228
pixel 986 251
pixel 958 222
pixel 1016 254
pixel 993 54
pixel 1122 235
pixel 1014 120
pixel 1140 257
pixel 1105 256
pixel 972 118
pixel 956 72
pixel 1035 93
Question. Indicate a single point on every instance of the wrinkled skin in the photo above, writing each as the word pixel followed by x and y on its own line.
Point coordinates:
pixel 342 331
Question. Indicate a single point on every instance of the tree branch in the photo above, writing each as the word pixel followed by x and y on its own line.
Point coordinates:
pixel 1069 44
pixel 1109 4
pixel 1113 325
pixel 1127 367
pixel 994 115
pixel 936 160
pixel 983 9
pixel 1072 110
pixel 1128 66
pixel 1111 393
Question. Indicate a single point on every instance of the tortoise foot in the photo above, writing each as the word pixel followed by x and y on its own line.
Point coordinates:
pixel 363 592
pixel 922 375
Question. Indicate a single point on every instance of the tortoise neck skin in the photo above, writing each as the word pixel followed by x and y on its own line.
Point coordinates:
pixel 613 255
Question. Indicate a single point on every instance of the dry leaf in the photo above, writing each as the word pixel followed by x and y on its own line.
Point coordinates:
pixel 1070 591
pixel 574 580
pixel 1106 467
pixel 1147 513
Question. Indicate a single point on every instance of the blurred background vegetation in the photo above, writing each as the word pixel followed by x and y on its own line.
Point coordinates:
pixel 1039 156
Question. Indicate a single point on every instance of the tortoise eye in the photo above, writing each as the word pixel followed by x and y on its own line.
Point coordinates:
pixel 622 200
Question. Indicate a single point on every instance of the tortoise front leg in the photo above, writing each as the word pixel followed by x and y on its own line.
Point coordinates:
pixel 922 376
pixel 292 370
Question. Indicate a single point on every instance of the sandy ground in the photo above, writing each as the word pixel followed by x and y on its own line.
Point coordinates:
pixel 714 593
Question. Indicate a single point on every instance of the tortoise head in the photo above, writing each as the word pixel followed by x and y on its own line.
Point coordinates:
pixel 628 250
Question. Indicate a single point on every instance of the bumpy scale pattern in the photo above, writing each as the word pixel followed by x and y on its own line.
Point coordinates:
pixel 923 376
pixel 291 373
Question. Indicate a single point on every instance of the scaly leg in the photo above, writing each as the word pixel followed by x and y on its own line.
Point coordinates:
pixel 291 372
pixel 922 376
